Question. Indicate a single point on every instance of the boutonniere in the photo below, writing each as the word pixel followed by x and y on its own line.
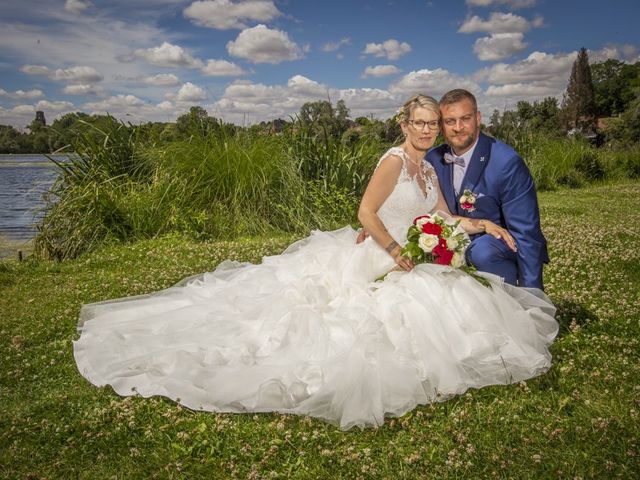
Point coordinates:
pixel 468 200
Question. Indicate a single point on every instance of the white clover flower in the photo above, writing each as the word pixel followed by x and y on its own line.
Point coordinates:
pixel 427 242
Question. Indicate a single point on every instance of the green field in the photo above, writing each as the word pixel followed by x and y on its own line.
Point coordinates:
pixel 580 420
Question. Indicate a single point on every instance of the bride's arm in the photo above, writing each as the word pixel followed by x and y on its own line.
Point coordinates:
pixel 474 225
pixel 380 186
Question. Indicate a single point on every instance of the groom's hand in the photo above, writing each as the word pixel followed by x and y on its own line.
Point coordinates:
pixel 362 236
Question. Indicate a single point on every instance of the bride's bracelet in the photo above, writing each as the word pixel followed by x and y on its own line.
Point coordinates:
pixel 391 247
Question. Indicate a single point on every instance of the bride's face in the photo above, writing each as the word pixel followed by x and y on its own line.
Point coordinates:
pixel 422 128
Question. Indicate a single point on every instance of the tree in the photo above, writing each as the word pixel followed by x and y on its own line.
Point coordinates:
pixel 11 140
pixel 321 114
pixel 64 130
pixel 196 122
pixel 614 82
pixel 578 102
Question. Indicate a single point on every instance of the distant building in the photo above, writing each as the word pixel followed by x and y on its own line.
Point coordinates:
pixel 40 118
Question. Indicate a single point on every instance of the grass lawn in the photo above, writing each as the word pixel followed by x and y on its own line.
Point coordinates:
pixel 580 420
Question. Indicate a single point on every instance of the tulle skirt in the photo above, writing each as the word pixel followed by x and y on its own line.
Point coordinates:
pixel 311 332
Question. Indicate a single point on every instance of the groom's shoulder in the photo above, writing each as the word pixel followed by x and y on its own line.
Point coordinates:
pixel 436 153
pixel 500 150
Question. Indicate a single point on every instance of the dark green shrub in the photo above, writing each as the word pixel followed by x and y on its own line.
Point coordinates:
pixel 590 165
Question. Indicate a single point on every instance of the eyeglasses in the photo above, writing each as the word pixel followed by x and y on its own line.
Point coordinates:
pixel 420 124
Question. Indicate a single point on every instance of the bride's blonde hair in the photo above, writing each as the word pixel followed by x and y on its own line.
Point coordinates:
pixel 419 100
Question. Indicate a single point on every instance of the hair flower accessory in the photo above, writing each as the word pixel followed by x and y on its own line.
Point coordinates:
pixel 468 200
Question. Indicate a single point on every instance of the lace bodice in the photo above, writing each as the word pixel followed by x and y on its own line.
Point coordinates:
pixel 407 200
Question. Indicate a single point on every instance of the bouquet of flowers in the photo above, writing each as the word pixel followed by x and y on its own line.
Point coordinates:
pixel 436 239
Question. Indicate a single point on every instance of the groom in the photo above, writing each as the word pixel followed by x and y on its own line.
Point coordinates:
pixel 501 185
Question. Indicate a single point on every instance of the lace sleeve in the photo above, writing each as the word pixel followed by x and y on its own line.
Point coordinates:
pixel 398 152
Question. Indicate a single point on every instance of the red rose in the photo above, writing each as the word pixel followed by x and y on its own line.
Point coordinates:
pixel 441 248
pixel 432 229
pixel 444 258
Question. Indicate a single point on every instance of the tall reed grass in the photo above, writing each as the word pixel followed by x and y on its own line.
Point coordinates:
pixel 119 186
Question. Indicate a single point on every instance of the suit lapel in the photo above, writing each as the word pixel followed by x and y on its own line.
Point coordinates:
pixel 479 161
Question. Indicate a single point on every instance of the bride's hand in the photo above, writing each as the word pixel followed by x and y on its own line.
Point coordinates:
pixel 403 262
pixel 500 233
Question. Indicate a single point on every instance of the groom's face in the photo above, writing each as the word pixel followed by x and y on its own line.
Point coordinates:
pixel 460 125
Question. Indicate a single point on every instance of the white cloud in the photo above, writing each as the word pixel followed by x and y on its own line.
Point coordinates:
pixel 366 101
pixel 22 94
pixel 627 53
pixel 498 23
pixel 538 21
pixel 539 75
pixel 129 108
pixel 83 89
pixel 55 106
pixel 263 45
pixel 499 46
pixel 116 102
pixel 431 82
pixel 380 71
pixel 391 49
pixel 222 68
pixel 225 15
pixel 76 6
pixel 190 93
pixel 305 87
pixel 244 102
pixel 22 109
pixel 511 3
pixel 162 80
pixel 168 55
pixel 538 66
pixel 165 105
pixel 35 70
pixel 79 74
pixel 521 90
pixel 333 46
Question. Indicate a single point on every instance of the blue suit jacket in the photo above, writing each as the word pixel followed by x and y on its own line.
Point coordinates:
pixel 506 195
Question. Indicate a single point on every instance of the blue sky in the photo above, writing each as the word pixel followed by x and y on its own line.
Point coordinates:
pixel 253 60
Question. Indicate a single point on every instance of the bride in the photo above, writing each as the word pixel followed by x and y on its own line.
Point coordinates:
pixel 311 332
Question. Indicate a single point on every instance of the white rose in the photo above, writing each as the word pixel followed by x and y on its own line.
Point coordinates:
pixel 463 199
pixel 452 243
pixel 427 242
pixel 471 199
pixel 458 260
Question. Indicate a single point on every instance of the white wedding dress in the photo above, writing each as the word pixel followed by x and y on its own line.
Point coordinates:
pixel 310 331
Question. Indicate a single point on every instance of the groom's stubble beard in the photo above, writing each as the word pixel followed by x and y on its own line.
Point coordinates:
pixel 470 138
pixel 462 139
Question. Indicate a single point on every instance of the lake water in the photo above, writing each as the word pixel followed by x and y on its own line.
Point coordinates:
pixel 23 180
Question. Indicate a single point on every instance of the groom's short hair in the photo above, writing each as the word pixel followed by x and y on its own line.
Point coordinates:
pixel 457 95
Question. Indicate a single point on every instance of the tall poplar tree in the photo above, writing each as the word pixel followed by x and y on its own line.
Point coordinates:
pixel 578 102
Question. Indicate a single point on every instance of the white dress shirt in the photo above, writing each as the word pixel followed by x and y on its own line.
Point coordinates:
pixel 458 170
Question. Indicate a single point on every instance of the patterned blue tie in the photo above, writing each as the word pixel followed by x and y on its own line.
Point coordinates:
pixel 449 158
